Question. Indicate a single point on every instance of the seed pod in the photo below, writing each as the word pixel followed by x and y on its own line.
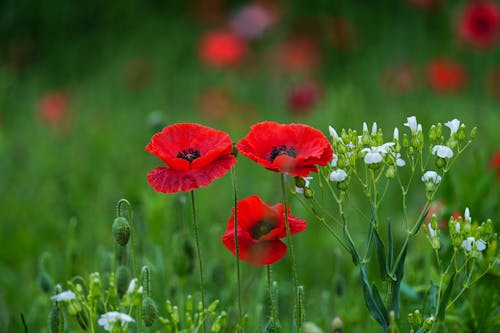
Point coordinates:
pixel 122 280
pixel 149 311
pixel 57 323
pixel 300 182
pixel 121 230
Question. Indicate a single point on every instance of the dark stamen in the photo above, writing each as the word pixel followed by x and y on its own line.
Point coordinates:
pixel 189 154
pixel 262 228
pixel 282 150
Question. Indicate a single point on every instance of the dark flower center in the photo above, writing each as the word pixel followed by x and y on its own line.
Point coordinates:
pixel 482 24
pixel 262 228
pixel 189 154
pixel 282 150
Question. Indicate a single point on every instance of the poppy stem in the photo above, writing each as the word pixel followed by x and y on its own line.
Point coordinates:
pixel 292 252
pixel 235 222
pixel 273 300
pixel 132 230
pixel 198 251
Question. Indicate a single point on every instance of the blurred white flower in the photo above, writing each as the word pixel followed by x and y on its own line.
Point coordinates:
pixel 131 286
pixel 453 125
pixel 467 217
pixel 107 319
pixel 373 155
pixel 65 296
pixel 374 128
pixel 412 123
pixel 333 132
pixel 335 160
pixel 399 161
pixel 470 242
pixel 396 134
pixel 338 175
pixel 431 177
pixel 442 151
pixel 365 127
pixel 432 232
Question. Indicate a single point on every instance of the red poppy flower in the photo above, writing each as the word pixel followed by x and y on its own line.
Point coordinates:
pixel 222 48
pixel 260 228
pixel 303 97
pixel 53 107
pixel 195 155
pixel 295 148
pixel 480 23
pixel 446 76
pixel 495 162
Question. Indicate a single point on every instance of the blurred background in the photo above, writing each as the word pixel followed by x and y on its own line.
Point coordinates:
pixel 84 85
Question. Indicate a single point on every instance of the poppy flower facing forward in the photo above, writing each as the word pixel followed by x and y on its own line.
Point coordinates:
pixel 480 23
pixel 195 155
pixel 260 228
pixel 295 149
pixel 222 48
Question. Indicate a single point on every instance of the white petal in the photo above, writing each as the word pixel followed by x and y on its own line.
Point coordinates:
pixel 333 133
pixel 365 127
pixel 338 175
pixel 400 162
pixel 374 128
pixel 396 134
pixel 453 125
pixel 480 245
pixel 467 217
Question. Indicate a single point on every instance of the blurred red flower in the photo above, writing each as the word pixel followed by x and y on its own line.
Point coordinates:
pixel 399 78
pixel 53 107
pixel 260 228
pixel 295 149
pixel 446 76
pixel 304 96
pixel 495 162
pixel 195 155
pixel 479 24
pixel 298 54
pixel 493 82
pixel 222 48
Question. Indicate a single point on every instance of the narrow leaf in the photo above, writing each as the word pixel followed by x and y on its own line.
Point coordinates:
pixel 444 301
pixel 417 226
pixel 371 302
pixel 391 244
pixel 395 285
pixel 382 260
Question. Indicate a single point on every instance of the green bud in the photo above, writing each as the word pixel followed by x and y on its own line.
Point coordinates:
pixel 473 133
pixel 365 139
pixel 432 133
pixel 95 285
pixel 417 316
pixel 189 303
pixel 149 311
pixel 57 322
pixel 308 193
pixel 310 327
pixel 428 323
pixel 74 307
pixel 342 186
pixel 123 277
pixel 121 230
pixel 406 141
pixel 235 150
pixel 300 182
pixel 213 306
pixel 374 166
pixel 390 172
pixel 461 134
pixel 341 163
pixel 440 162
pixel 45 282
pixel 337 325
pixel 488 227
pixel 175 315
pixel 169 307
pixel 439 130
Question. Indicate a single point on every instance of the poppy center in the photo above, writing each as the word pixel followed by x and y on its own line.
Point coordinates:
pixel 282 150
pixel 262 228
pixel 482 24
pixel 189 154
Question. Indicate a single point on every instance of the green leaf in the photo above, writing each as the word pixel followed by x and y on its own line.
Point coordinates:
pixel 433 298
pixel 390 237
pixel 395 285
pixel 446 296
pixel 383 265
pixel 354 253
pixel 417 226
pixel 373 302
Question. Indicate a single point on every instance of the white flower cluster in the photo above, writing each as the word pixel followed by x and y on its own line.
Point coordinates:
pixel 109 318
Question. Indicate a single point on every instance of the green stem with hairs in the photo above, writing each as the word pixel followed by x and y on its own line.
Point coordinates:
pixel 198 252
pixel 235 222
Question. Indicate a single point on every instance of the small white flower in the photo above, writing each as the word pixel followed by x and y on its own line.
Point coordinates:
pixel 419 128
pixel 467 217
pixel 432 232
pixel 365 127
pixel 131 286
pixel 335 160
pixel 333 133
pixel 453 125
pixel 412 123
pixel 338 175
pixel 65 296
pixel 396 134
pixel 399 161
pixel 470 242
pixel 386 147
pixel 457 227
pixel 431 177
pixel 374 128
pixel 373 155
pixel 467 243
pixel 351 145
pixel 107 319
pixel 442 151
pixel 480 245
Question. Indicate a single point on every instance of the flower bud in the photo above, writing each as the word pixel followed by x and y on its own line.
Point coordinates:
pixel 406 141
pixel 337 325
pixel 461 134
pixel 300 182
pixel 440 162
pixel 122 280
pixel 45 282
pixel 121 230
pixel 149 311
pixel 57 322
pixel 342 186
pixel 428 323
pixel 390 172
pixel 308 193
pixel 473 133
pixel 432 133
